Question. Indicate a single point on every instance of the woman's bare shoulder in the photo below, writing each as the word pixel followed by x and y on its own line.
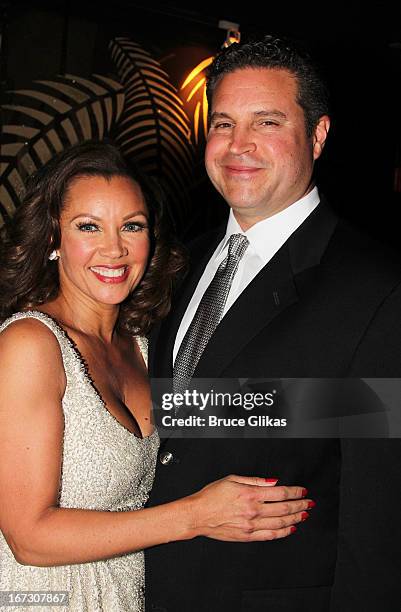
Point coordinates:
pixel 33 346
pixel 28 331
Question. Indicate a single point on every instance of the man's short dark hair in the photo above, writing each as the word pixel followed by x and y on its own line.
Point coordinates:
pixel 276 53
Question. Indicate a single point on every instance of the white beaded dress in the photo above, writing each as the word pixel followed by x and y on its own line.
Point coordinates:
pixel 104 467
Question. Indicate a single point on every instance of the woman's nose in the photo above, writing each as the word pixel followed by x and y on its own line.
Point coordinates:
pixel 113 245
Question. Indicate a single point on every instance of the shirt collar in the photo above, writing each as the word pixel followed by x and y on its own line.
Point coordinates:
pixel 275 230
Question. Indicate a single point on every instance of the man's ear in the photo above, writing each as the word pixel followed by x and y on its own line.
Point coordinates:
pixel 319 135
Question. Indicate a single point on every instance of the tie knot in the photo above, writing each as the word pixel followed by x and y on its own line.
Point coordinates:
pixel 237 245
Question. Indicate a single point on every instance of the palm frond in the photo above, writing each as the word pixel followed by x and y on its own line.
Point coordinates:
pixel 45 119
pixel 154 129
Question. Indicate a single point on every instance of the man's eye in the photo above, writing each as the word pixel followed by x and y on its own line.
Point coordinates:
pixel 87 227
pixel 268 122
pixel 134 227
pixel 224 125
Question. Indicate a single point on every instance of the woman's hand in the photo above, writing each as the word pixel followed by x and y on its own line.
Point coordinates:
pixel 248 509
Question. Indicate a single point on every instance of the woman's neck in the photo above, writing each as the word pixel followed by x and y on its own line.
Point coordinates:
pixel 92 319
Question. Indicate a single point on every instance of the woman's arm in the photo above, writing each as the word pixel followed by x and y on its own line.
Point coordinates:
pixel 32 384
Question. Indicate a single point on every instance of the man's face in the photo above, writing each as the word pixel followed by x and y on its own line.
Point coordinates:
pixel 258 155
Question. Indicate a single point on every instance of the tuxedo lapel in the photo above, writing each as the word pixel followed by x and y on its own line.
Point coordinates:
pixel 272 291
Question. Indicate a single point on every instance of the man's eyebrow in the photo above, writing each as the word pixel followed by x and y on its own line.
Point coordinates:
pixel 262 113
pixel 215 116
pixel 270 113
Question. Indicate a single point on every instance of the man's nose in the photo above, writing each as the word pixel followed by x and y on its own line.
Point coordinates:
pixel 242 141
pixel 113 245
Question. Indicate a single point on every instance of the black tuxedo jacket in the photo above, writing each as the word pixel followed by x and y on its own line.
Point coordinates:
pixel 327 305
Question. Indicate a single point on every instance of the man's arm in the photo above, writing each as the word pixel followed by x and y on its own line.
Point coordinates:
pixel 369 538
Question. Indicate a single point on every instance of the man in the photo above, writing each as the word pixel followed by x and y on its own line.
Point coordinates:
pixel 308 297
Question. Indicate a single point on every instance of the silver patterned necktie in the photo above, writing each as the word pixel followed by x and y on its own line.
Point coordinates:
pixel 208 314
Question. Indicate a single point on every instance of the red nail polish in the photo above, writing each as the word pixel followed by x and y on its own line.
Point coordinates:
pixel 304 516
pixel 293 529
pixel 311 504
pixel 271 480
pixel 304 492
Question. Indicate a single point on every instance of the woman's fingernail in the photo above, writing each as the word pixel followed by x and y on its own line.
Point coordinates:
pixel 304 492
pixel 271 480
pixel 304 516
pixel 311 504
pixel 293 529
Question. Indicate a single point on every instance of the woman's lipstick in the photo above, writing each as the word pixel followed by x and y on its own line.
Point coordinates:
pixel 111 274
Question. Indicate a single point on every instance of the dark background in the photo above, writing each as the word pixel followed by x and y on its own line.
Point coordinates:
pixel 357 44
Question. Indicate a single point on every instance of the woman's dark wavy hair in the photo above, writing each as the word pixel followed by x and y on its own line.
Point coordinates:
pixel 28 278
pixel 276 53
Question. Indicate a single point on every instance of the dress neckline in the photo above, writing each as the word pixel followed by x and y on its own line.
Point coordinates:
pixel 88 378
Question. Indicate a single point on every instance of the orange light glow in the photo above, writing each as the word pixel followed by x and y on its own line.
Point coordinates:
pixel 194 73
pixel 196 121
pixel 197 81
pixel 205 111
pixel 195 89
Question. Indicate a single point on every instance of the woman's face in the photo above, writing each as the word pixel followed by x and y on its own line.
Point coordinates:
pixel 104 239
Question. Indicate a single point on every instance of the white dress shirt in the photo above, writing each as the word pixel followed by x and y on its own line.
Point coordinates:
pixel 265 239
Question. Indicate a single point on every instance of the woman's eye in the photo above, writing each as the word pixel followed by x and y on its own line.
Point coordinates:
pixel 88 227
pixel 133 227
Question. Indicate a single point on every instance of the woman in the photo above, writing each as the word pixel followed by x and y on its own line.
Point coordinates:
pixel 87 270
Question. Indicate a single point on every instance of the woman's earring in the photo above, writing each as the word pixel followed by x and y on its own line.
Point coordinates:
pixel 54 255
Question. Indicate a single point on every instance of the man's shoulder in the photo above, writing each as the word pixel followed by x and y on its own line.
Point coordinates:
pixel 362 253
